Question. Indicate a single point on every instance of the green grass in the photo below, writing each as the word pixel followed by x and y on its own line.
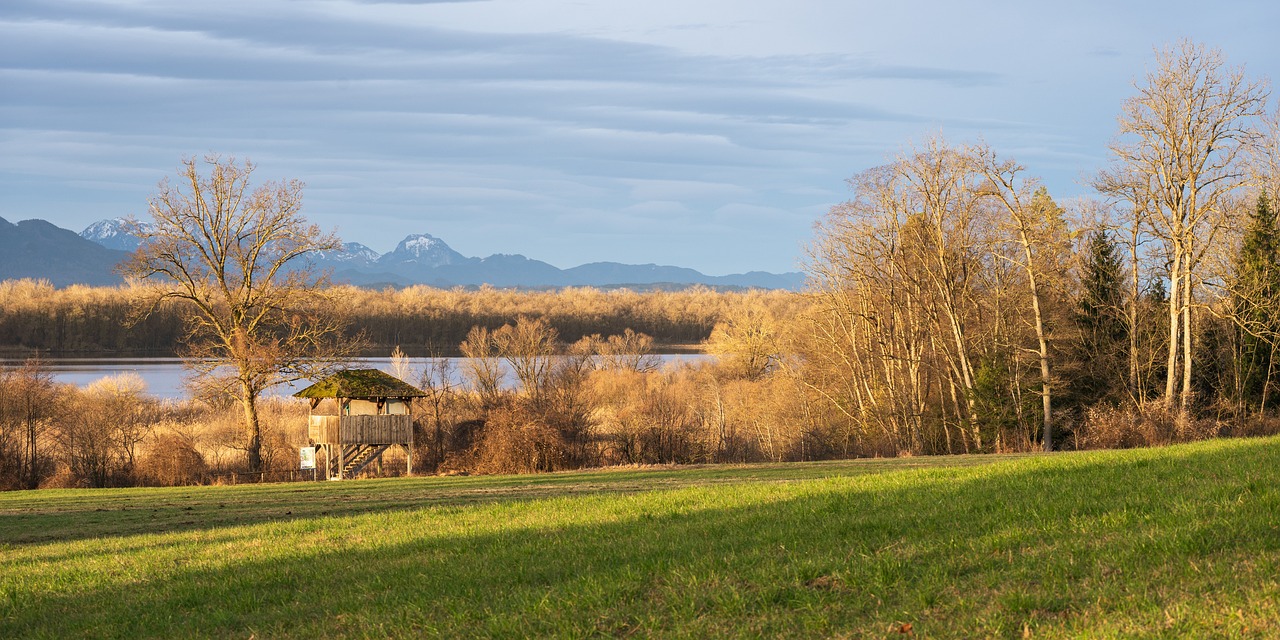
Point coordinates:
pixel 1175 542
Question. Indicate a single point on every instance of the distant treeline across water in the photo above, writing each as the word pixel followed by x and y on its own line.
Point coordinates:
pixel 423 321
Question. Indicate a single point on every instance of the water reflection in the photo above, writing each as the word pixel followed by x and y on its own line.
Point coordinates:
pixel 165 376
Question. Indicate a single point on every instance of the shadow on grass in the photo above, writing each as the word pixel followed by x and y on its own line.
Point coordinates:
pixel 1072 543
pixel 49 516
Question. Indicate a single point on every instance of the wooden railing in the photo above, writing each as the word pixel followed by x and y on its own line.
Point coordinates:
pixel 361 429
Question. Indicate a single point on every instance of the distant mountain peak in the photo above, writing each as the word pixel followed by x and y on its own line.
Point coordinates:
pixel 421 243
pixel 113 234
pixel 352 254
pixel 356 252
pixel 423 250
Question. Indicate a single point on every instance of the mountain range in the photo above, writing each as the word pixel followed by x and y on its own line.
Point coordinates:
pixel 38 249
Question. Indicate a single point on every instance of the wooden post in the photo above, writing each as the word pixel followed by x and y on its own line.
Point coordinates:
pixel 342 462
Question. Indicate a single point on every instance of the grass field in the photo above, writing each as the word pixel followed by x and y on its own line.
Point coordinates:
pixel 1175 542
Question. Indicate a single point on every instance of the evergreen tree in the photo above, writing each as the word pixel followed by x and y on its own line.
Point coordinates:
pixel 1255 294
pixel 1100 317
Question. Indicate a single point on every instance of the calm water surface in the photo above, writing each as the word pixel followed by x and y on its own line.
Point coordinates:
pixel 165 376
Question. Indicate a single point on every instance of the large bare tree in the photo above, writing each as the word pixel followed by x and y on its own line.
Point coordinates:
pixel 1177 159
pixel 236 255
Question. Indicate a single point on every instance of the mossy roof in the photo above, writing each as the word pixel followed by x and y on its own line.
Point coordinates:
pixel 363 384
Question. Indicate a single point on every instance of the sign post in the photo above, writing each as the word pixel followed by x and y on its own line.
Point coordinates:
pixel 307 460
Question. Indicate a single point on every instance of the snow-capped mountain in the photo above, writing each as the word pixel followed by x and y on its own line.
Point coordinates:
pixel 113 234
pixel 352 255
pixel 358 254
pixel 421 250
pixel 425 259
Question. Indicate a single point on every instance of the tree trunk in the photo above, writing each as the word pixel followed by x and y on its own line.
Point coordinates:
pixel 1186 337
pixel 32 453
pixel 1175 295
pixel 253 430
pixel 1046 388
pixel 1136 384
pixel 1266 382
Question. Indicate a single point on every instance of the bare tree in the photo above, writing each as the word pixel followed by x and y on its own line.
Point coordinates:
pixel 482 366
pixel 1176 161
pixel 1264 161
pixel 1034 220
pixel 102 427
pixel 259 315
pixel 746 341
pixel 528 346
pixel 30 401
pixel 948 237
pixel 630 350
pixel 401 367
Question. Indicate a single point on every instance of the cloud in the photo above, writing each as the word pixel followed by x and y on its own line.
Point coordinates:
pixel 683 190
pixel 591 131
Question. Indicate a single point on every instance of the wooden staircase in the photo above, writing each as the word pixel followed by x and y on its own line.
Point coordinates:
pixel 355 457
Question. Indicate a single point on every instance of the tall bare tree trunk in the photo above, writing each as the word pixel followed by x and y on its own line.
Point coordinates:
pixel 1046 388
pixel 1186 337
pixel 1136 385
pixel 1175 295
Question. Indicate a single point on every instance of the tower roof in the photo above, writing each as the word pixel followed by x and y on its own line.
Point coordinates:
pixel 362 384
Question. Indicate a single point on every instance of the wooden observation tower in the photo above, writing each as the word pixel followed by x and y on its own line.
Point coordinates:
pixel 369 414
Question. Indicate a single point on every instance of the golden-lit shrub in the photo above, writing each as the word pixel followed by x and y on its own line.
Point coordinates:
pixel 517 441
pixel 172 460
pixel 1152 425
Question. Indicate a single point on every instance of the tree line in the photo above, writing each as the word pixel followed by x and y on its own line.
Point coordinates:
pixel 36 316
pixel 98 436
pixel 962 308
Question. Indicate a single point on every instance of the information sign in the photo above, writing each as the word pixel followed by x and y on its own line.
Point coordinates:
pixel 308 457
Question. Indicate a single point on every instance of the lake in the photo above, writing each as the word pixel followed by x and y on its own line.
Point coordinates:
pixel 164 376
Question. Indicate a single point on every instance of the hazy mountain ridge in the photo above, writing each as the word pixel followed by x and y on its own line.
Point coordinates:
pixel 38 249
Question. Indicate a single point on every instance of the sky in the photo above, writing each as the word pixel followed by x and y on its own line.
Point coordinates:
pixel 709 134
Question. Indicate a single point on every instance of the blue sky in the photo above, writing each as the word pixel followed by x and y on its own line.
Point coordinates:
pixel 707 134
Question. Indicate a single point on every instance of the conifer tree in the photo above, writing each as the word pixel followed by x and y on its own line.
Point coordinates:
pixel 1255 294
pixel 1100 316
